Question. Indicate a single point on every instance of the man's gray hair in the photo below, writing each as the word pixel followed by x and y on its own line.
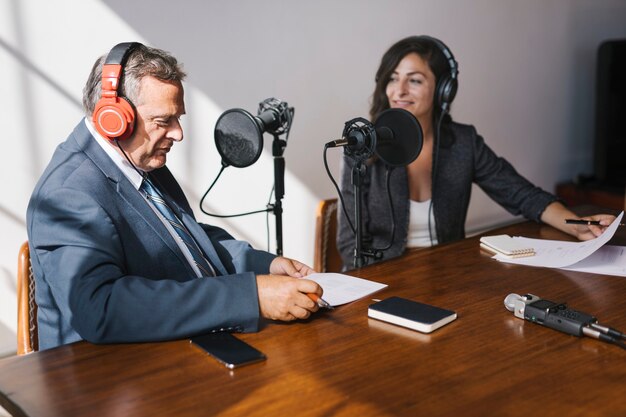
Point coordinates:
pixel 141 62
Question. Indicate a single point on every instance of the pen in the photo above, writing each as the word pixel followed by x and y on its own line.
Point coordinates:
pixel 580 221
pixel 320 301
pixel 587 222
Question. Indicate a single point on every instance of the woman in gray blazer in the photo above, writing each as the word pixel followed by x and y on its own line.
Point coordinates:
pixel 430 197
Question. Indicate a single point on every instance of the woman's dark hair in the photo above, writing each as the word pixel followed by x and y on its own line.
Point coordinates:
pixel 427 49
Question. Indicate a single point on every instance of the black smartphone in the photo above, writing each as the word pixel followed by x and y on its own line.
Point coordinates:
pixel 228 350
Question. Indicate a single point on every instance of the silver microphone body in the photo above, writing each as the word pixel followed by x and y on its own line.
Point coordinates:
pixel 517 303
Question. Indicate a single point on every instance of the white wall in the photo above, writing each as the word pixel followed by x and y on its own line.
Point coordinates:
pixel 526 82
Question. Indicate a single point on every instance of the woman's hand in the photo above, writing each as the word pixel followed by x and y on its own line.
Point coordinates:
pixel 588 232
pixel 556 214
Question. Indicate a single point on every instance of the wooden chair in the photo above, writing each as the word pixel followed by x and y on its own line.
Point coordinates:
pixel 326 256
pixel 27 337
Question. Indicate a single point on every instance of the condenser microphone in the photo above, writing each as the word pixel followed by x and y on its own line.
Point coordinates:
pixel 362 136
pixel 396 138
pixel 275 116
pixel 239 134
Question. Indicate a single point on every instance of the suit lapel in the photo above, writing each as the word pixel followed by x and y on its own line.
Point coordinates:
pixel 205 243
pixel 125 190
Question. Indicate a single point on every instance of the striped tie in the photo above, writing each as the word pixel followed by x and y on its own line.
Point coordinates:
pixel 156 198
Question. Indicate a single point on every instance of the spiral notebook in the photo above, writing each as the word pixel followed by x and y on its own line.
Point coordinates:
pixel 505 245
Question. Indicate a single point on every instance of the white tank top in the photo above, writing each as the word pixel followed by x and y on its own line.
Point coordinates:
pixel 418 236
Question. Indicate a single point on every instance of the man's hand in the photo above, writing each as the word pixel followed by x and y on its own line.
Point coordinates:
pixel 285 298
pixel 289 267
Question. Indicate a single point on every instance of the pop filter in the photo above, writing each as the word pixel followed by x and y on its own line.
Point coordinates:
pixel 238 138
pixel 396 138
pixel 239 135
pixel 400 138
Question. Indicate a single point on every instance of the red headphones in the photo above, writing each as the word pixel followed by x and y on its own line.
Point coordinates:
pixel 114 116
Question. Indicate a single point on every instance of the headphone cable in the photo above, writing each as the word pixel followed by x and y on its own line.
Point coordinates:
pixel 339 193
pixel 434 171
pixel 388 172
pixel 142 174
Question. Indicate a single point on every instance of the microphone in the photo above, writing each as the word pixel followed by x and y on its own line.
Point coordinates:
pixel 559 317
pixel 548 313
pixel 239 134
pixel 510 301
pixel 396 138
pixel 275 116
pixel 362 136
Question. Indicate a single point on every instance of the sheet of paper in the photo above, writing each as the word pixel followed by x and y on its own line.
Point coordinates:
pixel 342 289
pixel 608 260
pixel 560 254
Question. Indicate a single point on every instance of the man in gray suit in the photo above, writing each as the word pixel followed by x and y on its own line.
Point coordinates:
pixel 117 253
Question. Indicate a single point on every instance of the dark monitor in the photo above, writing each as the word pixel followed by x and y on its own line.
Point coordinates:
pixel 610 128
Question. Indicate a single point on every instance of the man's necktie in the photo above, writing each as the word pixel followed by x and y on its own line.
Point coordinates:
pixel 155 197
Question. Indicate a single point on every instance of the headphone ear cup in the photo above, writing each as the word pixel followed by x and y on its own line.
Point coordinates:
pixel 446 91
pixel 114 118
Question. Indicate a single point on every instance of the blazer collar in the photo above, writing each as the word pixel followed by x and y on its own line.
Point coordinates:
pixel 87 143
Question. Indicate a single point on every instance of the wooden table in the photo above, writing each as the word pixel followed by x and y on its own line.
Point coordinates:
pixel 340 363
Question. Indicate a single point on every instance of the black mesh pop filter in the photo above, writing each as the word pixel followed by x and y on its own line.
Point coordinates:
pixel 238 138
pixel 400 137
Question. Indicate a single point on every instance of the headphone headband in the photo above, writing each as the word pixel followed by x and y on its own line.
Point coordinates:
pixel 454 66
pixel 119 54
pixel 447 84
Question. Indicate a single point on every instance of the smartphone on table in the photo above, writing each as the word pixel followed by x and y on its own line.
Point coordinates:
pixel 228 350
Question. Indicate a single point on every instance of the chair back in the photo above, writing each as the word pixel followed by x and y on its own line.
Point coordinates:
pixel 326 256
pixel 27 337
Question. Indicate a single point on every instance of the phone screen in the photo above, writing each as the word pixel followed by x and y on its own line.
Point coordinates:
pixel 228 350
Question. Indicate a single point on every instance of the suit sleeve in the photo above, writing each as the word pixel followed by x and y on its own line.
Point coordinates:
pixel 236 255
pixel 112 294
pixel 497 177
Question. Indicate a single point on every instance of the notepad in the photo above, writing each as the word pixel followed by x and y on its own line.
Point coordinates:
pixel 506 245
pixel 411 314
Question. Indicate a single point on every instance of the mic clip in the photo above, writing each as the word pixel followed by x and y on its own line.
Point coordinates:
pixel 276 116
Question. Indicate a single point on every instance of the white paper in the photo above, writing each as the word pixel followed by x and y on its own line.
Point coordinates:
pixel 587 256
pixel 608 260
pixel 342 289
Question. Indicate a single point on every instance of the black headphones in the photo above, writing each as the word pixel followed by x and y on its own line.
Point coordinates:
pixel 447 83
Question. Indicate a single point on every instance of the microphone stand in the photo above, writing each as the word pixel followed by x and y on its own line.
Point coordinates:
pixel 358 172
pixel 278 147
pixel 360 254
